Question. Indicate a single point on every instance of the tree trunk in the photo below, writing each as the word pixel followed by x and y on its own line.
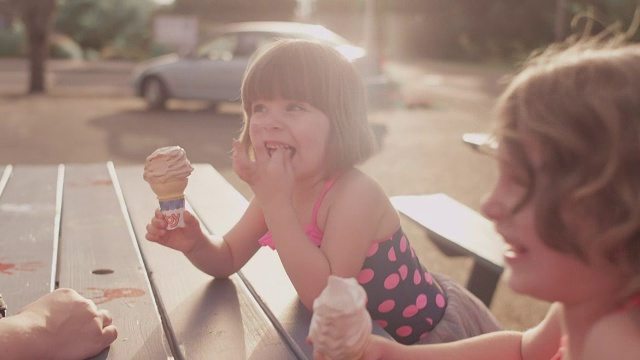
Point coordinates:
pixel 37 16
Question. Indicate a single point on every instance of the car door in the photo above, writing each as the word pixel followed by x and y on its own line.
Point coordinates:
pixel 215 72
pixel 209 73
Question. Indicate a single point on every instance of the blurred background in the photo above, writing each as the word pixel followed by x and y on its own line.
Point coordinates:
pixel 66 94
pixel 469 30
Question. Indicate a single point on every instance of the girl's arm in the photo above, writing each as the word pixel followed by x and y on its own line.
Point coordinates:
pixel 539 343
pixel 356 207
pixel 543 341
pixel 502 345
pixel 219 257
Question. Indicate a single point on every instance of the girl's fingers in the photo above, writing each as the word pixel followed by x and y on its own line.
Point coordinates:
pixel 155 233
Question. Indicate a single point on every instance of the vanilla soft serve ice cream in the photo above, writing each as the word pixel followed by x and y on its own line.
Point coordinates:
pixel 341 325
pixel 167 170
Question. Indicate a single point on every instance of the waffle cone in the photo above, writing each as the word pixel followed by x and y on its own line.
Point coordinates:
pixel 170 190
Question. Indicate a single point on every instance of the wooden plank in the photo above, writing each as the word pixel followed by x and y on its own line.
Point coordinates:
pixel 264 273
pixel 459 231
pixel 27 219
pixel 100 259
pixel 209 318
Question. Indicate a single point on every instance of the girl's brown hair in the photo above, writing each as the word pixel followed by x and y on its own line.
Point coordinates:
pixel 581 105
pixel 316 73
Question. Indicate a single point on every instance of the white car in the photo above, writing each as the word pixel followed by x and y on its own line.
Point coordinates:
pixel 214 71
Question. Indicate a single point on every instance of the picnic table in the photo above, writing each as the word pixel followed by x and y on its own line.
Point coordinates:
pixel 82 226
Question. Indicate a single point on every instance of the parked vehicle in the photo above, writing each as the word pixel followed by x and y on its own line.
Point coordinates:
pixel 214 71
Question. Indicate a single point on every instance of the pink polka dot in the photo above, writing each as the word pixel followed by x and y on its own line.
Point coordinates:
pixel 440 300
pixel 365 276
pixel 403 271
pixel 404 331
pixel 383 324
pixel 409 311
pixel 421 301
pixel 403 244
pixel 392 255
pixel 413 253
pixel 372 249
pixel 430 321
pixel 391 281
pixel 386 306
pixel 428 278
pixel 417 277
pixel 424 335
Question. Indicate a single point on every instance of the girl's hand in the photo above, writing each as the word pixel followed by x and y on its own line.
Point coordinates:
pixel 181 239
pixel 270 176
pixel 374 350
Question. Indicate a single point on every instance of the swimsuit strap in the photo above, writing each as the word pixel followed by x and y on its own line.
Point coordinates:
pixel 632 303
pixel 327 186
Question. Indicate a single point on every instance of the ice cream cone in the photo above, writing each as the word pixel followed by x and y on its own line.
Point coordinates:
pixel 340 325
pixel 167 170
pixel 169 190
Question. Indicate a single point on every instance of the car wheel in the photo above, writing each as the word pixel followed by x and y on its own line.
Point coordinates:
pixel 154 93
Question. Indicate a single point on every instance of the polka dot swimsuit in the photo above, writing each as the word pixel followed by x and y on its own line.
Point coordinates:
pixel 402 297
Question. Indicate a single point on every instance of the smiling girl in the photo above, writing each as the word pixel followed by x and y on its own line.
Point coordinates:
pixel 305 130
pixel 567 203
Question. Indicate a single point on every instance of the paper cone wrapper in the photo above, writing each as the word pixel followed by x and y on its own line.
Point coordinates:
pixel 171 198
pixel 173 213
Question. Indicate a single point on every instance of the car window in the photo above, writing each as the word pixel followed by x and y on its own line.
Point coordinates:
pixel 249 42
pixel 221 48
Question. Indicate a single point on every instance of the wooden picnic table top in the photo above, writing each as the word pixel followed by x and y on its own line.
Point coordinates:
pixel 82 226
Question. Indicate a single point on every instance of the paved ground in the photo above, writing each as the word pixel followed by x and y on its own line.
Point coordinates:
pixel 89 115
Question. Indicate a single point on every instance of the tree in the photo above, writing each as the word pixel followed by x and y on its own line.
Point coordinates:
pixel 37 16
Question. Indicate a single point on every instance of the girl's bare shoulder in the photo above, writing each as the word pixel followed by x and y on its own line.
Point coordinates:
pixel 616 336
pixel 357 182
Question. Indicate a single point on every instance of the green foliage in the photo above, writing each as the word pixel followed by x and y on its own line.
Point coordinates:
pixel 63 47
pixel 13 44
pixel 120 25
pixel 12 41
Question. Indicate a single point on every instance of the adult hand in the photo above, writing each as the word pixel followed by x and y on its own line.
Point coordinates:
pixel 65 325
pixel 181 239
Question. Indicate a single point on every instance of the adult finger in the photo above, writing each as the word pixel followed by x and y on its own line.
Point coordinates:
pixel 107 319
pixel 110 334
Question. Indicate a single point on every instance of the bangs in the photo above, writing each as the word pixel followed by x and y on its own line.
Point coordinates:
pixel 294 72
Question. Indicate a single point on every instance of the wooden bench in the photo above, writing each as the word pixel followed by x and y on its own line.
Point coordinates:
pixel 458 230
